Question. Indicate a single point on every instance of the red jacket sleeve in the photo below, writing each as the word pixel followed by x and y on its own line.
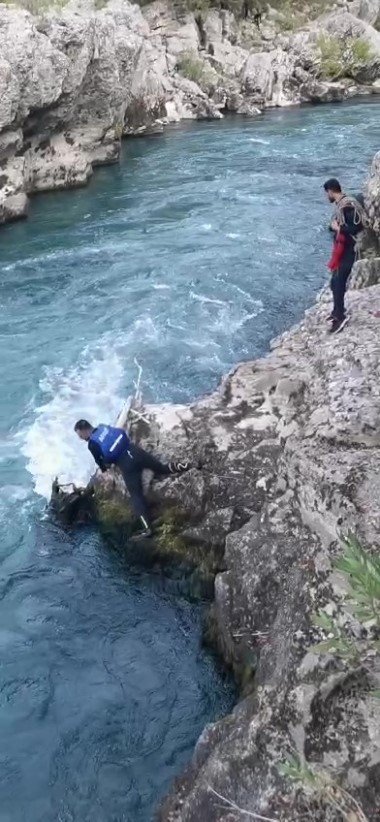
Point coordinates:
pixel 337 252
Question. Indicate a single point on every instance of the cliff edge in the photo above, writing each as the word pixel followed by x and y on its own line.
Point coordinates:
pixel 290 446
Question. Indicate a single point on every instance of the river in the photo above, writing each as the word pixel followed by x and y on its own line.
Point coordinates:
pixel 202 245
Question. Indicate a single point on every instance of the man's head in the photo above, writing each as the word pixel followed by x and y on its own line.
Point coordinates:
pixel 333 189
pixel 84 429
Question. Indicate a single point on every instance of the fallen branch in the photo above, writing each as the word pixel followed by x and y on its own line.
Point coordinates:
pixel 137 396
pixel 235 807
pixel 133 399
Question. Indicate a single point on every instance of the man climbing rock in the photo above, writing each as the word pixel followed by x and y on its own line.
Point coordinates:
pixel 347 224
pixel 112 446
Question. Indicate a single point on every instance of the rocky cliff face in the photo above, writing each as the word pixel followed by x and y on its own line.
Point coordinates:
pixel 74 80
pixel 290 447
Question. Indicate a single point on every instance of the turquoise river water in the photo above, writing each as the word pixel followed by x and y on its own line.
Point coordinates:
pixel 202 245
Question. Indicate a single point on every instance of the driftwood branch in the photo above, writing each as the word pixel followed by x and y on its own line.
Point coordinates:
pixel 134 399
pixel 235 807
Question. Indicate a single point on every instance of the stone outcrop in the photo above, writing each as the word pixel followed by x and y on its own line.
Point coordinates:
pixel 290 449
pixel 74 80
pixel 290 453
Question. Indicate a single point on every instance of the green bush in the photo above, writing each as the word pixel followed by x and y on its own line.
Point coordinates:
pixel 37 7
pixel 191 67
pixel 360 52
pixel 323 788
pixel 342 58
pixel 362 572
pixel 332 63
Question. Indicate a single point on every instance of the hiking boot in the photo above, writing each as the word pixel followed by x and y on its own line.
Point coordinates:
pixel 142 535
pixel 338 325
pixel 332 317
pixel 145 533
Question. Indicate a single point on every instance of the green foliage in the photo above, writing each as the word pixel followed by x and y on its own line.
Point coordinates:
pixel 118 129
pixel 363 573
pixel 202 6
pixel 191 67
pixel 40 7
pixel 289 16
pixel 325 789
pixel 113 512
pixel 295 770
pixel 361 51
pixel 166 532
pixel 337 642
pixel 342 58
pixel 332 66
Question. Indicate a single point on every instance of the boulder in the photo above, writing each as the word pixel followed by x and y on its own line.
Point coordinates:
pixel 366 10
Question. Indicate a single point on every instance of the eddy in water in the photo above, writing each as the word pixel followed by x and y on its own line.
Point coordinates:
pixel 112 446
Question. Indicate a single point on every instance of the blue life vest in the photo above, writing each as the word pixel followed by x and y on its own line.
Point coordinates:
pixel 113 442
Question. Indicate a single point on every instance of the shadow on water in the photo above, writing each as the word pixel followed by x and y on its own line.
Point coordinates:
pixel 105 683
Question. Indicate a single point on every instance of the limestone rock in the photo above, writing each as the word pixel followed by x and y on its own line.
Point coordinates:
pixel 298 430
pixel 367 10
pixel 292 442
pixel 13 207
pixel 74 80
pixel 372 194
pixel 365 273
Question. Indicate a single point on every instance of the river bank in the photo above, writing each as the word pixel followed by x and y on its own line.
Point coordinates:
pixel 76 79
pixel 291 450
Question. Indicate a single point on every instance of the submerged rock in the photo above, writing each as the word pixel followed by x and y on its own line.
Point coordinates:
pixel 71 505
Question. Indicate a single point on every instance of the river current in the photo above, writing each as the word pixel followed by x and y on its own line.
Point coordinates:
pixel 203 244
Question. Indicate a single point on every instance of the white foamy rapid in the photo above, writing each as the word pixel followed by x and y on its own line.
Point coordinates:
pixel 89 390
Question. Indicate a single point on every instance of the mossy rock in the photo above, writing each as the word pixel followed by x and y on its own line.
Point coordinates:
pixel 167 532
pixel 113 510
pixel 193 565
pixel 171 542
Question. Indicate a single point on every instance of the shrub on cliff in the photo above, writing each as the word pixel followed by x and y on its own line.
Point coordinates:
pixel 342 58
pixel 362 601
pixel 39 7
pixel 320 785
pixel 191 67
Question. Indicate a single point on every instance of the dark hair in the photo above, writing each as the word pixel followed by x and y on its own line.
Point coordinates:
pixel 82 425
pixel 333 185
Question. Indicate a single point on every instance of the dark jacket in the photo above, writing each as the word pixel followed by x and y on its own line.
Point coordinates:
pixel 95 450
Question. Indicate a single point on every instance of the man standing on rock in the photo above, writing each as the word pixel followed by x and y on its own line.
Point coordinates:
pixel 112 446
pixel 347 223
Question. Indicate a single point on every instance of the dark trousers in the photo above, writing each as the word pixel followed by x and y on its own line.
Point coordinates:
pixel 338 283
pixel 132 464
